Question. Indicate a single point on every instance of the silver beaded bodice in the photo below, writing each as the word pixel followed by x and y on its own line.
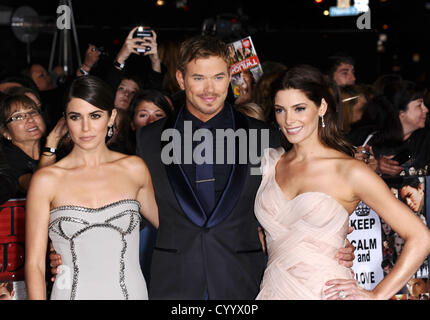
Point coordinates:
pixel 100 251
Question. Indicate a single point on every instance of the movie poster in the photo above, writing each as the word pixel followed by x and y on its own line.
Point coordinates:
pixel 245 66
pixel 378 246
pixel 366 238
pixel 12 241
pixel 412 191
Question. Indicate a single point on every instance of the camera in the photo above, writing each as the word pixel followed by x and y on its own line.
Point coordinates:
pixel 142 32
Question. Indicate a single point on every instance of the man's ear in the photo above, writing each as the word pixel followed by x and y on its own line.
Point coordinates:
pixel 180 79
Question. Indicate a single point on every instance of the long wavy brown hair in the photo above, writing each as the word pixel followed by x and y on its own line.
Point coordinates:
pixel 313 84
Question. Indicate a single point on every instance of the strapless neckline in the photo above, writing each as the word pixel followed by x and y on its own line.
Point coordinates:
pixel 87 209
pixel 278 187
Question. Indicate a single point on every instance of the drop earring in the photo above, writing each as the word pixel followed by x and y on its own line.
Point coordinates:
pixel 110 131
pixel 322 121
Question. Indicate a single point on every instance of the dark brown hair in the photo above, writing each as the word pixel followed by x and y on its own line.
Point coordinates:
pixel 94 91
pixel 313 84
pixel 7 103
pixel 201 47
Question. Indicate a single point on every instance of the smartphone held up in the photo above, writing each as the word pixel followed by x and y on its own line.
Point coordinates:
pixel 142 32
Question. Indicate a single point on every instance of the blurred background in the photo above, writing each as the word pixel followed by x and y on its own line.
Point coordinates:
pixel 392 38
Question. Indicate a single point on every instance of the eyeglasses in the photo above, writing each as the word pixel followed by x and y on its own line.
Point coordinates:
pixel 23 116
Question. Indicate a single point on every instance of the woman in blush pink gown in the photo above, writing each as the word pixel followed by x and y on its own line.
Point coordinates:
pixel 308 190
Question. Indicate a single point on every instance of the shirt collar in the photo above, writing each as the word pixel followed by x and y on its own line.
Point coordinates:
pixel 223 120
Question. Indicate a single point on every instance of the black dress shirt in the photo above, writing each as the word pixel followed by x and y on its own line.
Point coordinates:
pixel 223 120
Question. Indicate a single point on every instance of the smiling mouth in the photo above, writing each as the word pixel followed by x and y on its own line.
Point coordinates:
pixel 293 131
pixel 33 129
pixel 209 99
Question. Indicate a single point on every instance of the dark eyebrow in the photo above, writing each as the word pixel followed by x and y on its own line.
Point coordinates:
pixel 77 113
pixel 293 106
pixel 346 69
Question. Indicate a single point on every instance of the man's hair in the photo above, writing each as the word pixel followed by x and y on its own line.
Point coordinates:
pixel 201 47
pixel 8 285
pixel 336 60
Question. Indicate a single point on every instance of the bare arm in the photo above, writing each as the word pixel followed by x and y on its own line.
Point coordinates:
pixel 374 192
pixel 36 234
pixel 146 196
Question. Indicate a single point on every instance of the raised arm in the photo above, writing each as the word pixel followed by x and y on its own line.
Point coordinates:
pixel 372 190
pixel 36 233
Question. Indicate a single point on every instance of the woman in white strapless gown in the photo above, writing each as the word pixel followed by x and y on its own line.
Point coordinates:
pixel 105 240
pixel 90 204
pixel 307 193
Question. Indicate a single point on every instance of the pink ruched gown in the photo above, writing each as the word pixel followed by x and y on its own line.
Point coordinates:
pixel 302 234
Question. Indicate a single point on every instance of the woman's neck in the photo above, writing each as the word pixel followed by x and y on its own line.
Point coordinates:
pixel 407 134
pixel 308 149
pixel 90 157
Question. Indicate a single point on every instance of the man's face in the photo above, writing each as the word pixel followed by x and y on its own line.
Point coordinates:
pixel 416 286
pixel 4 292
pixel 412 196
pixel 206 82
pixel 398 245
pixel 344 75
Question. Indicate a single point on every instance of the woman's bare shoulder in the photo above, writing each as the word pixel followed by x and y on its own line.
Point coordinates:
pixel 51 172
pixel 130 160
pixel 132 164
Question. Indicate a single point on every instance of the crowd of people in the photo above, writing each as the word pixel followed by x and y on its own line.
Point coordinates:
pixel 80 144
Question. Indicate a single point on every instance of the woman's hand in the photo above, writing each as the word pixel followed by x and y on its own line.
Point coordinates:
pixel 153 52
pixel 56 133
pixel 388 166
pixel 344 289
pixel 366 155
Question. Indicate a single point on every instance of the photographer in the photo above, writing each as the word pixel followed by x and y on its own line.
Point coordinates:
pixel 92 56
pixel 151 73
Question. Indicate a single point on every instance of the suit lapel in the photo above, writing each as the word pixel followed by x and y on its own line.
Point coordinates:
pixel 180 184
pixel 236 181
pixel 184 192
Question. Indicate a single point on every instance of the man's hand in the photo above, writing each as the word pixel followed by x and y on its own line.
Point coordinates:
pixel 345 256
pixel 262 237
pixel 55 261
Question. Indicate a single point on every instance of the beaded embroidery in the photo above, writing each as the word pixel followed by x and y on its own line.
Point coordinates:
pixel 56 226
